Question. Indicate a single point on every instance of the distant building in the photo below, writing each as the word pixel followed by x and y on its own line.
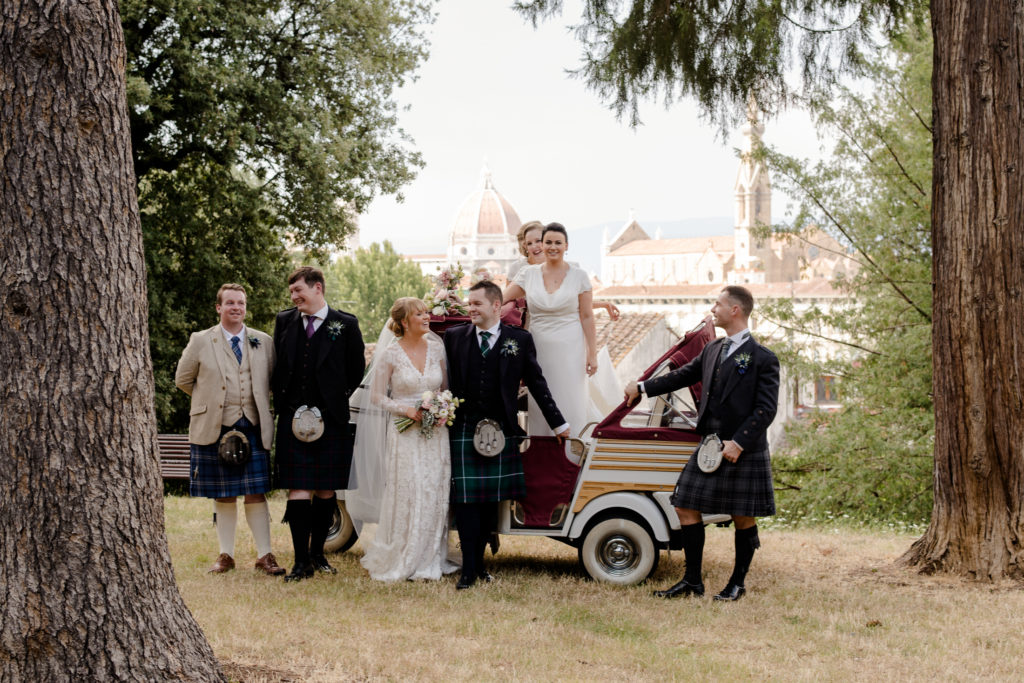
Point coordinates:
pixel 483 234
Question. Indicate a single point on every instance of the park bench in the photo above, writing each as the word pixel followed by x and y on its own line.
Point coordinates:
pixel 174 455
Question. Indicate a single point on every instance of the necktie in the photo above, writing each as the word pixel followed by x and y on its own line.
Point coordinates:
pixel 309 326
pixel 236 348
pixel 725 350
pixel 484 344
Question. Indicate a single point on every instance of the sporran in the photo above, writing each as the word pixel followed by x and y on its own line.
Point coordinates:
pixel 709 454
pixel 488 439
pixel 308 424
pixel 234 448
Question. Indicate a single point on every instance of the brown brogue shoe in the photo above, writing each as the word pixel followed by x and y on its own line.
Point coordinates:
pixel 224 563
pixel 268 565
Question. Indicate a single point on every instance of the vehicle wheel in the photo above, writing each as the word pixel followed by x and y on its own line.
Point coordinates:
pixel 342 533
pixel 618 551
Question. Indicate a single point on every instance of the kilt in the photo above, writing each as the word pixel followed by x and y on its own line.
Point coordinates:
pixel 211 478
pixel 479 479
pixel 741 488
pixel 320 465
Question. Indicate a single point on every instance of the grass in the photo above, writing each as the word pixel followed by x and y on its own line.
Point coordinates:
pixel 821 606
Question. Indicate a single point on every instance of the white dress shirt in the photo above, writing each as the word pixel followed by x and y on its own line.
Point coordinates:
pixel 240 335
pixel 318 318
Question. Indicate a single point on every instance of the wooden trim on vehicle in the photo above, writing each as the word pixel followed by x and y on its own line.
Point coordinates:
pixel 637 468
pixel 631 460
pixel 592 489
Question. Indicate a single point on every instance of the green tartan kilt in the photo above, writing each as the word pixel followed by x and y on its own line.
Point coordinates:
pixel 479 479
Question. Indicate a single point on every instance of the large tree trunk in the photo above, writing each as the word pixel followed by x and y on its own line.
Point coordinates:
pixel 87 588
pixel 977 528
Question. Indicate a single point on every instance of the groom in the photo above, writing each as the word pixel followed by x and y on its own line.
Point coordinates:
pixel 486 361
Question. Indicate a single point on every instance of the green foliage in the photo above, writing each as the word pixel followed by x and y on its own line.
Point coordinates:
pixel 722 52
pixel 367 283
pixel 874 457
pixel 257 123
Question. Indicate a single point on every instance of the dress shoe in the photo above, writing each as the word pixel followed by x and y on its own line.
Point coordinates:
pixel 731 593
pixel 465 582
pixel 682 589
pixel 321 565
pixel 299 572
pixel 224 563
pixel 268 565
pixel 485 576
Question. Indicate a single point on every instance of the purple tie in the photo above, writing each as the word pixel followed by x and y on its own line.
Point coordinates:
pixel 309 326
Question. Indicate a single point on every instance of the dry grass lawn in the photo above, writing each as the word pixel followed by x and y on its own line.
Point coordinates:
pixel 821 606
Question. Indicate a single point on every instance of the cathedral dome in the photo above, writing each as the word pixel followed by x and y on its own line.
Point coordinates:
pixel 485 213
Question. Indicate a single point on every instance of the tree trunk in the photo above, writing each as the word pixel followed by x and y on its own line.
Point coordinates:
pixel 87 588
pixel 978 257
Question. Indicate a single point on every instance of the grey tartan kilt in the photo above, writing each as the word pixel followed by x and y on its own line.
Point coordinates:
pixel 211 478
pixel 741 488
pixel 479 479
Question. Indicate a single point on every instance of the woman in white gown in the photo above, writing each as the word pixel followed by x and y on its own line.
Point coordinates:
pixel 558 295
pixel 402 479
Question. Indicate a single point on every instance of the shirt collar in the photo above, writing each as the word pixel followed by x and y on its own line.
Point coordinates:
pixel 495 331
pixel 228 335
pixel 321 314
pixel 739 338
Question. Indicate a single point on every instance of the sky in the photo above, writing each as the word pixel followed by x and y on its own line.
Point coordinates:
pixel 496 91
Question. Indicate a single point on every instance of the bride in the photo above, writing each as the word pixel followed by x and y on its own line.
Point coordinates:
pixel 402 479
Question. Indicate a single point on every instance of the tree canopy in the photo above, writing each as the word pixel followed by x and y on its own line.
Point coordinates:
pixel 369 281
pixel 873 458
pixel 255 125
pixel 723 52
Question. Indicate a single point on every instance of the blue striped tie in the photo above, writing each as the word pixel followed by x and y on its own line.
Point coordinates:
pixel 236 348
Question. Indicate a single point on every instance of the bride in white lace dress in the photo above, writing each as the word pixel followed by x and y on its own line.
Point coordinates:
pixel 402 479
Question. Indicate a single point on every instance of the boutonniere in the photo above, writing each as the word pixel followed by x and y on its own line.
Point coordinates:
pixel 334 328
pixel 742 362
pixel 510 348
pixel 253 341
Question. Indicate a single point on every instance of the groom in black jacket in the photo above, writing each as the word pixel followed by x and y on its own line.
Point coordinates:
pixel 739 395
pixel 486 361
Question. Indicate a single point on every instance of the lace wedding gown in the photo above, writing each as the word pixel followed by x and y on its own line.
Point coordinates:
pixel 561 347
pixel 411 538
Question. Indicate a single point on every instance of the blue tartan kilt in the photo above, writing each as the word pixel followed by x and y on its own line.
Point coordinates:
pixel 480 479
pixel 742 488
pixel 211 478
pixel 320 465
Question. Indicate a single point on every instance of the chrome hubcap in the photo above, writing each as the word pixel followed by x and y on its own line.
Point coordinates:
pixel 618 554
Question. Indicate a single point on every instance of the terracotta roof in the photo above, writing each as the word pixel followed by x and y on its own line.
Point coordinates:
pixel 625 333
pixel 681 245
pixel 819 287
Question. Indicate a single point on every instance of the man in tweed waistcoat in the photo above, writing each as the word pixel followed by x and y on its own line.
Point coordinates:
pixel 740 392
pixel 486 361
pixel 226 372
pixel 320 363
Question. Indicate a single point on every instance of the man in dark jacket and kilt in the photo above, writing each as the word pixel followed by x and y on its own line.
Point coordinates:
pixel 320 362
pixel 740 393
pixel 486 361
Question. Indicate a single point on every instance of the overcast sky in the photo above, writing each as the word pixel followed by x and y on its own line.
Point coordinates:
pixel 494 89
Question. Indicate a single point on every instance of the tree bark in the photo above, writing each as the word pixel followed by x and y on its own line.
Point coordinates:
pixel 978 256
pixel 85 573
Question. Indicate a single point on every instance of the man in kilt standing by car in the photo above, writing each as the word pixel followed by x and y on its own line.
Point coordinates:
pixel 226 372
pixel 739 396
pixel 320 363
pixel 486 361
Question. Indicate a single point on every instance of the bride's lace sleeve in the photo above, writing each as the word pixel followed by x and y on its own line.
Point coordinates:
pixel 443 360
pixel 380 393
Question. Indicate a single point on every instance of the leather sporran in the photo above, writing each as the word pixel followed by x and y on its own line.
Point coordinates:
pixel 234 448
pixel 709 454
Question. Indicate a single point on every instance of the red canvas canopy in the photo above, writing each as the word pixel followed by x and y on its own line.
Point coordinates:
pixel 683 351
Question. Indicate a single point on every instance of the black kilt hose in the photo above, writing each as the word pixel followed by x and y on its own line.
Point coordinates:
pixel 741 488
pixel 480 479
pixel 320 465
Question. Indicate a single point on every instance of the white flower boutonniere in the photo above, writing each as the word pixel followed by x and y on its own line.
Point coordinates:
pixel 334 328
pixel 510 348
pixel 742 362
pixel 254 342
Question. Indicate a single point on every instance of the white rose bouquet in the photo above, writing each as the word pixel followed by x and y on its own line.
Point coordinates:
pixel 438 409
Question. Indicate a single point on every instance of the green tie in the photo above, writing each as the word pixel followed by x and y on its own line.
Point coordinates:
pixel 484 344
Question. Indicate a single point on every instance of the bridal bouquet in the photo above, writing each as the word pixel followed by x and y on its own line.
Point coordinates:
pixel 438 409
pixel 444 299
